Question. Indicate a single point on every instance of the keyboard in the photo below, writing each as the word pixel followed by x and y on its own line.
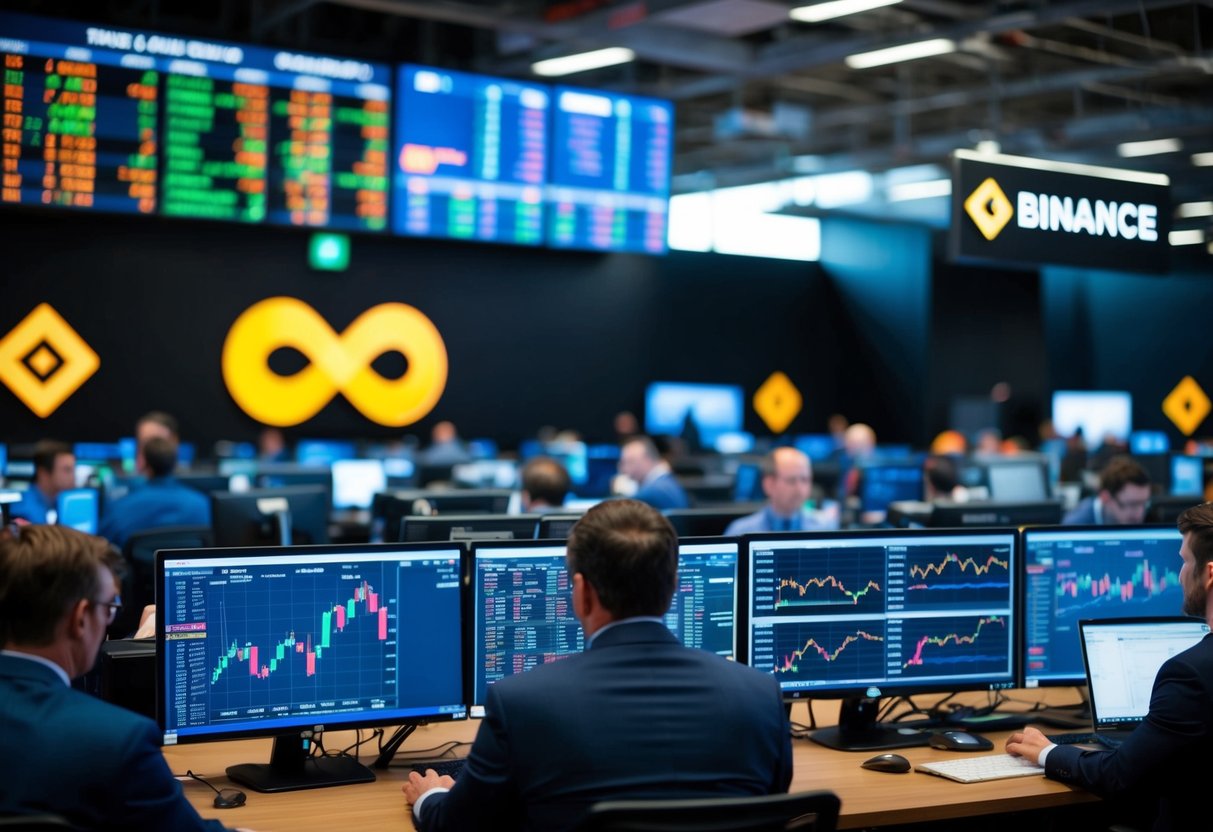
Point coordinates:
pixel 451 766
pixel 1086 737
pixel 979 769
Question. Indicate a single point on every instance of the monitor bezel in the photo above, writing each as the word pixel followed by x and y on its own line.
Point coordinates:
pixel 1080 679
pixel 330 723
pixel 896 688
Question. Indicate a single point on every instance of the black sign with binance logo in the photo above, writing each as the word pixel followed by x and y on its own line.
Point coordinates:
pixel 1014 209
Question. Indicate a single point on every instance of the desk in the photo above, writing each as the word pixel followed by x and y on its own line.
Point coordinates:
pixel 869 798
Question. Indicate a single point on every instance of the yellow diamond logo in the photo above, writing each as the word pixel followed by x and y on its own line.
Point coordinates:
pixel 989 208
pixel 44 361
pixel 1187 405
pixel 778 402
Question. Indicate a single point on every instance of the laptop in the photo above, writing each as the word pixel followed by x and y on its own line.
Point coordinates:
pixel 1122 657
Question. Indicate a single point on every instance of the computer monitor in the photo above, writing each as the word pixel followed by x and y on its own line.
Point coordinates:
pixel 1166 509
pixel 1187 476
pixel 601 466
pixel 205 483
pixel 469 527
pixel 1149 442
pixel 817 446
pixel 295 515
pixel 282 475
pixel 1018 482
pixel 861 615
pixel 79 509
pixel 949 514
pixel 705 522
pixel 711 408
pixel 556 526
pixel 1073 573
pixel 734 442
pixel 702 612
pixel 390 507
pixel 486 473
pixel 574 456
pixel 356 482
pixel 1098 412
pixel 288 642
pixel 522 611
pixel 323 452
pixel 881 483
pixel 747 482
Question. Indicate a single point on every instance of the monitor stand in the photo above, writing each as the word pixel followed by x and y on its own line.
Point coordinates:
pixel 858 729
pixel 292 767
pixel 1067 716
pixel 388 751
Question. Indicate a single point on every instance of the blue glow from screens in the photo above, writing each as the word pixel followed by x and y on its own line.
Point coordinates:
pixel 610 182
pixel 1099 413
pixel 324 452
pixel 1149 442
pixel 1187 476
pixel 78 509
pixel 471 156
pixel 816 446
pixel 714 408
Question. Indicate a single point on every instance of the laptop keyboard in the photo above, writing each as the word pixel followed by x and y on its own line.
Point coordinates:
pixel 1084 738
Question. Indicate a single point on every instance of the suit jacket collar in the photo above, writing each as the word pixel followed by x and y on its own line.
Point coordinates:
pixel 21 667
pixel 634 632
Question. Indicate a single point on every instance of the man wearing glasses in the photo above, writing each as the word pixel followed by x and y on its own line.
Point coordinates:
pixel 1123 498
pixel 65 752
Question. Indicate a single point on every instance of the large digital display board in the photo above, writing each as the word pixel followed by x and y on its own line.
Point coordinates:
pixel 131 121
pixel 610 181
pixel 471 156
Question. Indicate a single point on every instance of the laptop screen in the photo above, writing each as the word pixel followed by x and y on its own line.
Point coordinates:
pixel 1122 657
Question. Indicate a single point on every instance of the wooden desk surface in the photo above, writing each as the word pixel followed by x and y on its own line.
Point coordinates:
pixel 869 798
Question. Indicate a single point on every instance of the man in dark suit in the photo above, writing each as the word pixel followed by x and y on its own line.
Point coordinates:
pixel 635 716
pixel 640 462
pixel 1167 758
pixel 66 752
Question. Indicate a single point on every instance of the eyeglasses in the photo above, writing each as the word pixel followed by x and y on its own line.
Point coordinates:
pixel 113 606
pixel 1132 505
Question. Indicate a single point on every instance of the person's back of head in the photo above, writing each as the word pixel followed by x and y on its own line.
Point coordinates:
pixel 859 440
pixel 628 552
pixel 159 456
pixel 941 477
pixel 949 442
pixel 156 423
pixel 44 572
pixel 545 482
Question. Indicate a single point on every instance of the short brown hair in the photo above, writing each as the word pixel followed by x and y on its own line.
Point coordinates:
pixel 1197 523
pixel 44 571
pixel 1119 472
pixel 628 552
pixel 546 480
pixel 46 451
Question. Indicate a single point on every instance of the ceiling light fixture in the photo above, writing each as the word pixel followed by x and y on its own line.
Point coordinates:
pixel 583 61
pixel 836 8
pixel 1153 147
pixel 1189 237
pixel 1188 210
pixel 1202 160
pixel 899 54
pixel 919 190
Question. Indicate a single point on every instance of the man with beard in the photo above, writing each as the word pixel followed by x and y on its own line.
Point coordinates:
pixel 1167 757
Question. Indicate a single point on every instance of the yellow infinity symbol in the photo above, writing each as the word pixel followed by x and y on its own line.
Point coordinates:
pixel 340 363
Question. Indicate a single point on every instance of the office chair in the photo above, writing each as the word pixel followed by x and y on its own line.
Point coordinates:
pixel 140 553
pixel 802 812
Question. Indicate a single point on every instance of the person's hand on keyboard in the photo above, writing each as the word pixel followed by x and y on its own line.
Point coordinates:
pixel 1028 744
pixel 419 784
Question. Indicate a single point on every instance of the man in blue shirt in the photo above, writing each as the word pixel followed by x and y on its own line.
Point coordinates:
pixel 1123 498
pixel 54 471
pixel 160 502
pixel 639 461
pixel 787 480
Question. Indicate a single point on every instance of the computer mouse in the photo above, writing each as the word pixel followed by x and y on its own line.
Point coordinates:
pixel 892 763
pixel 959 741
pixel 229 798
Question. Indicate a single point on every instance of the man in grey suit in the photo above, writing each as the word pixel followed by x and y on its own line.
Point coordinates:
pixel 1166 758
pixel 66 752
pixel 635 716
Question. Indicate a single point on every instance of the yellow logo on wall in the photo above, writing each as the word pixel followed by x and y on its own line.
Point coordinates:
pixel 777 401
pixel 1187 405
pixel 44 361
pixel 340 363
pixel 989 209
